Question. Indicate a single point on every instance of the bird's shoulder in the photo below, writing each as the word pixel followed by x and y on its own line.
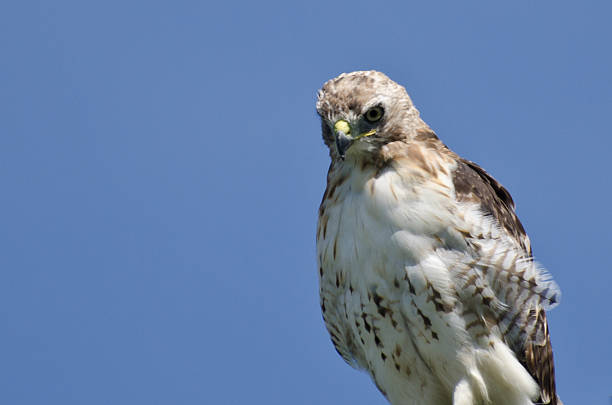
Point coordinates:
pixel 472 185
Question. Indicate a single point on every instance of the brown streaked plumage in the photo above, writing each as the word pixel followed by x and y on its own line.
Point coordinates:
pixel 473 183
pixel 426 273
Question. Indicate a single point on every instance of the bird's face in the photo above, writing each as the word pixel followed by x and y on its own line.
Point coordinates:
pixel 361 112
pixel 347 133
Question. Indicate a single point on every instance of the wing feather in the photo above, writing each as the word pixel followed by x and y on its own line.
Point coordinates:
pixel 473 183
pixel 511 284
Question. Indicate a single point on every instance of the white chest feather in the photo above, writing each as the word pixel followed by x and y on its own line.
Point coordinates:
pixel 388 297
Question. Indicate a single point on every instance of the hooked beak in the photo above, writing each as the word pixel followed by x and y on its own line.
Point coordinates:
pixel 344 138
pixel 343 142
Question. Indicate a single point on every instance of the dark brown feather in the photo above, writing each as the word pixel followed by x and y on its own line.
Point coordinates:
pixel 538 360
pixel 473 183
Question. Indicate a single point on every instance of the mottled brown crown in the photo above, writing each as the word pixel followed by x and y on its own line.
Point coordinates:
pixel 350 95
pixel 352 92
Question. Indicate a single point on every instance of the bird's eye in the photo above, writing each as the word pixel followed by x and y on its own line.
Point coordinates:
pixel 374 114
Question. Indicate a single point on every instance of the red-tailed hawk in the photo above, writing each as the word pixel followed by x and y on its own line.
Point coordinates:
pixel 427 279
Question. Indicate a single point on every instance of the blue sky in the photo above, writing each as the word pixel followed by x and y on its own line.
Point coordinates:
pixel 161 169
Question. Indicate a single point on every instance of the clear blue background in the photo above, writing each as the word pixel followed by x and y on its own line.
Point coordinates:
pixel 161 168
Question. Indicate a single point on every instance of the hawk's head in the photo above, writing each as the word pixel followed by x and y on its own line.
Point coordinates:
pixel 362 111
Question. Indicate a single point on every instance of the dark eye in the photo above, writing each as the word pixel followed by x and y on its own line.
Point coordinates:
pixel 374 114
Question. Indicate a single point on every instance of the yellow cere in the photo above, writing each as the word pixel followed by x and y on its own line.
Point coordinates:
pixel 342 125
